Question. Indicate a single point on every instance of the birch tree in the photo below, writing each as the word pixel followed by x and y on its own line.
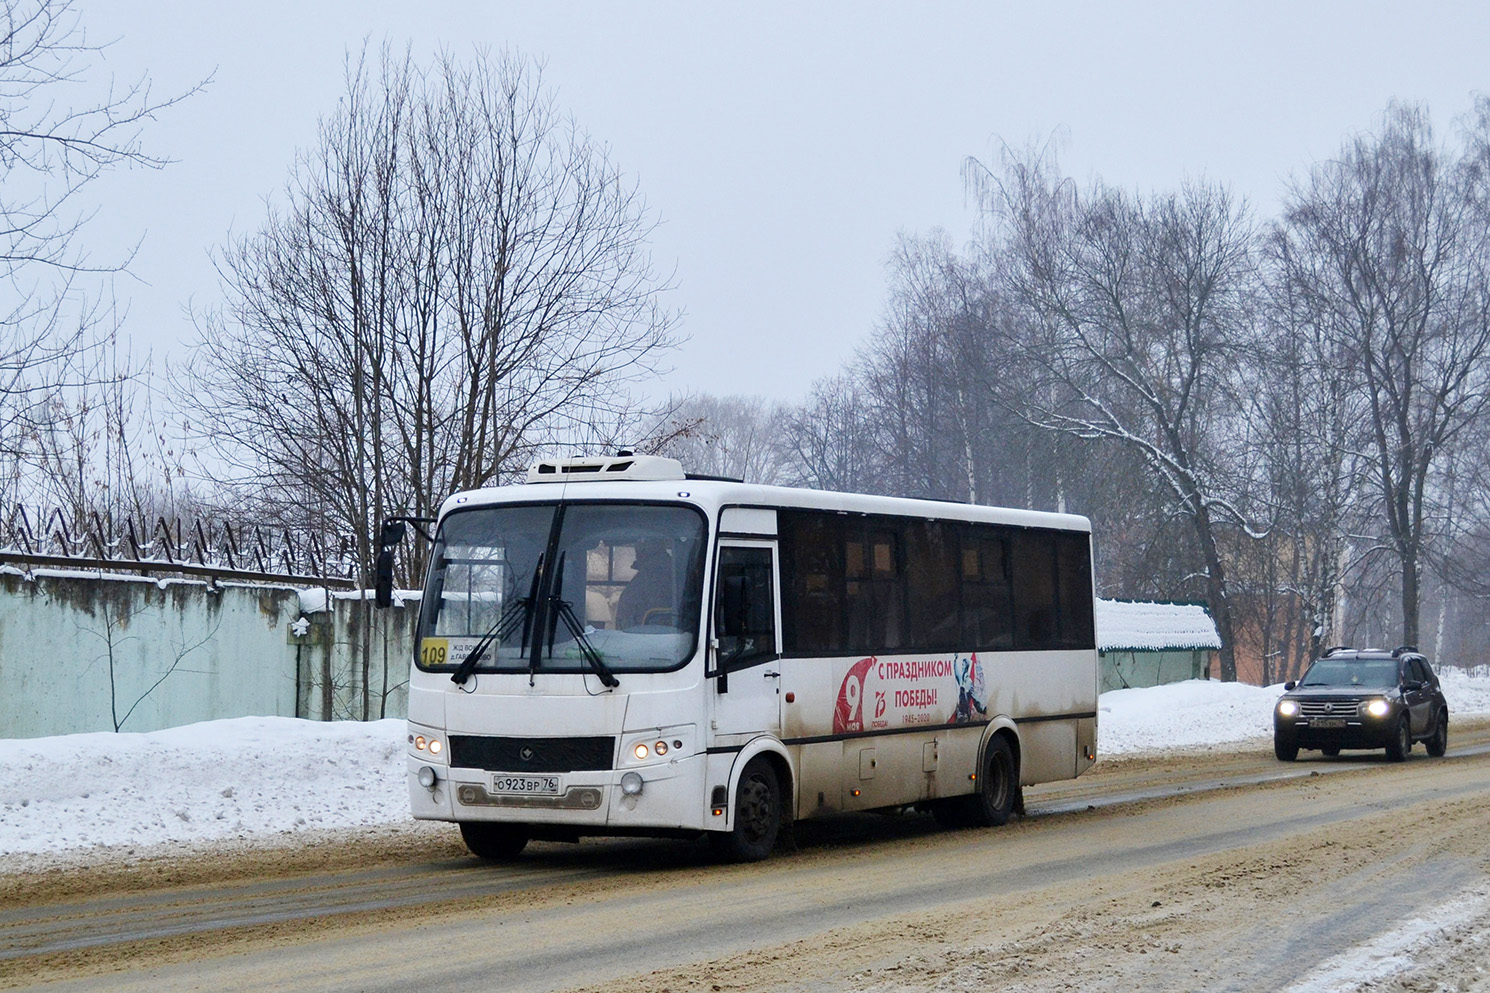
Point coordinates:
pixel 1388 245
pixel 922 374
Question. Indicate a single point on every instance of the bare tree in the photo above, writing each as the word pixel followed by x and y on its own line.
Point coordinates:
pixel 828 439
pixel 923 375
pixel 1388 246
pixel 459 275
pixel 63 124
pixel 116 620
pixel 1137 329
pixel 735 436
pixel 1310 413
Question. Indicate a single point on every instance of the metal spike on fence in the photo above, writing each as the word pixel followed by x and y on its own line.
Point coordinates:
pixel 171 545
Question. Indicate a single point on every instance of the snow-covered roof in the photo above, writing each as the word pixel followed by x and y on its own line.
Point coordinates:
pixel 1131 625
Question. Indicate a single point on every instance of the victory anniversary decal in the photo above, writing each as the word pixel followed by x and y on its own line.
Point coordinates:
pixel 877 694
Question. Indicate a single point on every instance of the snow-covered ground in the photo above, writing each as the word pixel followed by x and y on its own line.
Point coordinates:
pixel 267 778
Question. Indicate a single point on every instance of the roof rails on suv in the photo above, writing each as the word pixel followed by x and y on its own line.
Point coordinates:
pixel 1396 653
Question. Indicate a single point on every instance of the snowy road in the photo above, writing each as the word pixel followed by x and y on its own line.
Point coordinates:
pixel 1222 879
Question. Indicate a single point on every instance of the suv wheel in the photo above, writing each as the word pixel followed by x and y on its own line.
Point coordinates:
pixel 1438 742
pixel 1286 751
pixel 1402 744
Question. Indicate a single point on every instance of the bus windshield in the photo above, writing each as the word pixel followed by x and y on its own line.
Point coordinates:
pixel 628 577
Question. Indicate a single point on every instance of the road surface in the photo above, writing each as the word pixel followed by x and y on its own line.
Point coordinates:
pixel 1218 871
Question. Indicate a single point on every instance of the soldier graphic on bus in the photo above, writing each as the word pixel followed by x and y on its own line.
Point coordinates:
pixel 972 694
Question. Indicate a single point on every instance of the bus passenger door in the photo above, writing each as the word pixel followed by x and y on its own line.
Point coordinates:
pixel 746 653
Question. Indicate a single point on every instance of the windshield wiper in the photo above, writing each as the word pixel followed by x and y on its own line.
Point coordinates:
pixel 561 609
pixel 517 610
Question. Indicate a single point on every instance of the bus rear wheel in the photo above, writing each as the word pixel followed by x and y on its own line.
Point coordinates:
pixel 493 842
pixel 999 786
pixel 757 821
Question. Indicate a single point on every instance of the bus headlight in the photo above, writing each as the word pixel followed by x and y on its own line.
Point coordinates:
pixel 423 744
pixel 653 745
pixel 1287 708
pixel 1378 708
pixel 631 784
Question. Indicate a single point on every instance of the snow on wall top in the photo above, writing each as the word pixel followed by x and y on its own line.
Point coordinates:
pixel 1130 625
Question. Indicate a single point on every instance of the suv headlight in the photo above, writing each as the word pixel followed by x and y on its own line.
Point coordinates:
pixel 1378 708
pixel 1287 708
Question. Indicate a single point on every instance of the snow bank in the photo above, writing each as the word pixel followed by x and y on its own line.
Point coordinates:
pixel 1194 713
pixel 229 779
pixel 1467 694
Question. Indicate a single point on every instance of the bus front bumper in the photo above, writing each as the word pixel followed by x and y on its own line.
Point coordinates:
pixel 671 796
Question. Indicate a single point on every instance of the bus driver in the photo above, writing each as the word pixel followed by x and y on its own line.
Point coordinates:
pixel 648 597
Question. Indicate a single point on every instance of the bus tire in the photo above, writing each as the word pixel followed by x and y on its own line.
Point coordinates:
pixel 757 820
pixel 494 842
pixel 999 785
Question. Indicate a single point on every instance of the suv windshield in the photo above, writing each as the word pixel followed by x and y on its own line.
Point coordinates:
pixel 1374 673
pixel 631 574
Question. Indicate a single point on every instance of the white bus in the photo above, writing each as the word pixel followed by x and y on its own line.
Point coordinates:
pixel 616 648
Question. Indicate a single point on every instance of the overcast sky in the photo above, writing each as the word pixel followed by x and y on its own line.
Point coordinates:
pixel 783 146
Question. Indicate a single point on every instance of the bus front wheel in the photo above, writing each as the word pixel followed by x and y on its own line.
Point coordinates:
pixel 493 842
pixel 757 816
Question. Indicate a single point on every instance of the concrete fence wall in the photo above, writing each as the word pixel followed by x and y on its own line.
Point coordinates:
pixel 81 652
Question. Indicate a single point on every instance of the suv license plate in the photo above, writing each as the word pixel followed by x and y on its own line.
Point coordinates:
pixel 1327 722
pixel 526 785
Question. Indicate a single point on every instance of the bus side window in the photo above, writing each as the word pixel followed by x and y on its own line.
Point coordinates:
pixel 745 607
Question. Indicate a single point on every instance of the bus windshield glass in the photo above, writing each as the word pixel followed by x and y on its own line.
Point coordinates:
pixel 627 577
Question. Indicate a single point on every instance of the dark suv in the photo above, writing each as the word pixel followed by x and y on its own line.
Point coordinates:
pixel 1363 698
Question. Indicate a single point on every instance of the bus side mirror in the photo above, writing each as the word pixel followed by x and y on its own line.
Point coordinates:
pixel 383 581
pixel 390 535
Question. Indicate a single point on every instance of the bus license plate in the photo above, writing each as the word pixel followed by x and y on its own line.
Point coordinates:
pixel 526 785
pixel 1327 722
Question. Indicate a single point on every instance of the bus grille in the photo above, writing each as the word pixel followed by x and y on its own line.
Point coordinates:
pixel 494 754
